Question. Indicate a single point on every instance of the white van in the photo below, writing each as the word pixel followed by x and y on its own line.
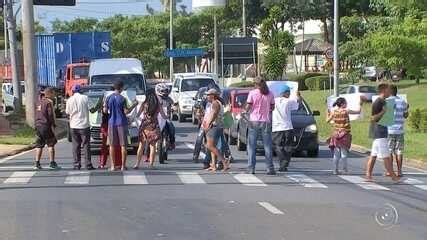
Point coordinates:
pixel 104 72
pixel 127 70
pixel 8 100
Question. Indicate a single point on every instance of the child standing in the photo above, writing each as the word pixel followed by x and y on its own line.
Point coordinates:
pixel 340 141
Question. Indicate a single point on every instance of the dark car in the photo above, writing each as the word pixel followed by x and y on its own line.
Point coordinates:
pixel 305 131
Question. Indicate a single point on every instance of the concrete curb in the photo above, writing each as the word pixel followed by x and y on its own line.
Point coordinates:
pixel 415 163
pixel 60 133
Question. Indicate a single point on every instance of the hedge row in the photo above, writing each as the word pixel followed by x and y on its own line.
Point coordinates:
pixel 318 83
pixel 301 79
pixel 418 120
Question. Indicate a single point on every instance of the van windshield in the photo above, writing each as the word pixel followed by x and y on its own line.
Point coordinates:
pixel 195 84
pixel 130 81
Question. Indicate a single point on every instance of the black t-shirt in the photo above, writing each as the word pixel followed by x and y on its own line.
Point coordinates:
pixel 378 130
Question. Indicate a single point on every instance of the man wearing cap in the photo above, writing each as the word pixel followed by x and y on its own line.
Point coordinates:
pixel 282 126
pixel 78 111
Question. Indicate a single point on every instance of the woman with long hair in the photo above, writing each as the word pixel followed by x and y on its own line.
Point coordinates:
pixel 149 131
pixel 260 105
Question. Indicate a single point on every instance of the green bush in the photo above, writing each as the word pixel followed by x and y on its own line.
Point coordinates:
pixel 301 78
pixel 318 83
pixel 244 84
pixel 418 120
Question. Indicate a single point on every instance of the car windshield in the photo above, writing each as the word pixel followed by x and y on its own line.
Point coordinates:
pixel 80 72
pixel 367 89
pixel 343 90
pixel 130 81
pixel 240 100
pixel 195 84
pixel 93 100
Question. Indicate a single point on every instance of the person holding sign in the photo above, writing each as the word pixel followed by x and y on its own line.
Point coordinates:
pixel 340 141
pixel 396 139
pixel 379 132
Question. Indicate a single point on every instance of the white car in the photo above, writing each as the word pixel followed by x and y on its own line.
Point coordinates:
pixel 184 89
pixel 8 100
pixel 365 91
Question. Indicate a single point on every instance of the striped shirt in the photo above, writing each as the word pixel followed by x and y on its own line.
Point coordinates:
pixel 401 107
pixel 341 120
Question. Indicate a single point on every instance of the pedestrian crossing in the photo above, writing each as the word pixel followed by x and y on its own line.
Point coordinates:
pixel 154 177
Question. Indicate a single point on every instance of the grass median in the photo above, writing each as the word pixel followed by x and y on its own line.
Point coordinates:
pixel 415 142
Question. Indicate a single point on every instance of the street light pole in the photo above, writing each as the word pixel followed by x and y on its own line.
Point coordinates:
pixel 11 27
pixel 171 38
pixel 29 61
pixel 215 64
pixel 244 34
pixel 336 54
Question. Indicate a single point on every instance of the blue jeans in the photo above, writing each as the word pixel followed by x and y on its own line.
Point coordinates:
pixel 264 129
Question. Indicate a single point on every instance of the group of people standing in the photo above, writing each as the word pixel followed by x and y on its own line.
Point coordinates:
pixel 388 141
pixel 114 126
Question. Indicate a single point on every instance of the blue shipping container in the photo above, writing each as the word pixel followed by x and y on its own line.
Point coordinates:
pixel 56 51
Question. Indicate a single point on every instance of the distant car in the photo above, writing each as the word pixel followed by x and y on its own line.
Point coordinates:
pixel 370 73
pixel 235 100
pixel 184 89
pixel 8 100
pixel 366 92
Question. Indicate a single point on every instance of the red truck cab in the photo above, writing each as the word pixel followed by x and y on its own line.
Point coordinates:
pixel 77 73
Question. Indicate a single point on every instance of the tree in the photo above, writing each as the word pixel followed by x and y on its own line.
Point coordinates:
pixel 278 42
pixel 77 25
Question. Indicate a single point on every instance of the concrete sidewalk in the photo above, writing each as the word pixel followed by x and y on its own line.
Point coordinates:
pixel 9 150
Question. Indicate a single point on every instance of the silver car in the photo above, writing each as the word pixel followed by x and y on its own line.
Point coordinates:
pixel 365 91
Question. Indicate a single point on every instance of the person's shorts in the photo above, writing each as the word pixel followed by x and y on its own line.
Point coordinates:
pixel 380 148
pixel 45 136
pixel 215 133
pixel 396 143
pixel 117 136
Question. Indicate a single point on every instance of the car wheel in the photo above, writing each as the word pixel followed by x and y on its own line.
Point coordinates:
pixel 240 145
pixel 313 153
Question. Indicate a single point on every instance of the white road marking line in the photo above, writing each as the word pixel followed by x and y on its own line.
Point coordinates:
pixel 134 178
pixel 77 178
pixel 306 181
pixel 20 177
pixel 270 208
pixel 416 183
pixel 249 180
pixel 361 182
pixel 192 147
pixel 190 178
pixel 3 160
pixel 17 168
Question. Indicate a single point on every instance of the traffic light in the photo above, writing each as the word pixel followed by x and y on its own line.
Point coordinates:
pixel 55 2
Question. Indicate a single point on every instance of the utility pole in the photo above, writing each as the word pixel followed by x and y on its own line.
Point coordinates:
pixel 336 55
pixel 244 34
pixel 29 61
pixel 171 38
pixel 6 55
pixel 11 27
pixel 215 64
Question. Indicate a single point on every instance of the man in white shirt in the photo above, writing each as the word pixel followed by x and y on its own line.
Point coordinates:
pixel 78 111
pixel 282 126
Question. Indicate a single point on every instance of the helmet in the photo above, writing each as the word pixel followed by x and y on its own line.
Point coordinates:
pixel 162 89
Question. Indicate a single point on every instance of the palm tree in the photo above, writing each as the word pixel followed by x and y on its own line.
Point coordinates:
pixel 166 4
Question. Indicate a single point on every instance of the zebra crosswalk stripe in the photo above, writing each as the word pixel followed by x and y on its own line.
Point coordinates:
pixel 134 178
pixel 249 180
pixel 416 183
pixel 190 178
pixel 77 178
pixel 306 181
pixel 361 182
pixel 20 178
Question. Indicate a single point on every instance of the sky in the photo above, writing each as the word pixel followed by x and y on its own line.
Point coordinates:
pixel 98 9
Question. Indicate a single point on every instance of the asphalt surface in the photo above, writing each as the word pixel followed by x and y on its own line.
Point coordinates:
pixel 181 201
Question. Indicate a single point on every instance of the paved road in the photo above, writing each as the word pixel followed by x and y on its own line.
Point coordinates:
pixel 180 201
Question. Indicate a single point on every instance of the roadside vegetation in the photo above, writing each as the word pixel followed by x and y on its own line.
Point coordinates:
pixel 21 133
pixel 415 141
